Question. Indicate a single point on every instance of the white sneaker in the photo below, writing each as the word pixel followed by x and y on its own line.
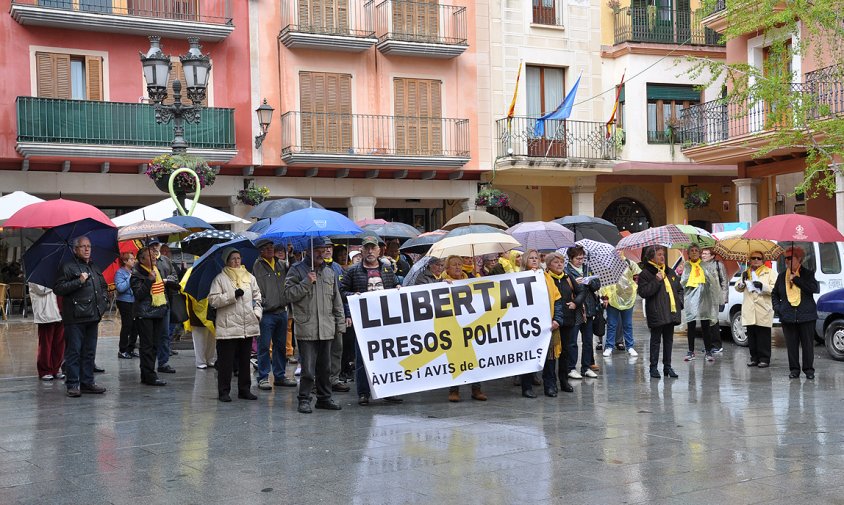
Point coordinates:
pixel 202 366
pixel 574 374
pixel 608 352
pixel 47 378
pixel 590 374
pixel 632 352
pixel 298 371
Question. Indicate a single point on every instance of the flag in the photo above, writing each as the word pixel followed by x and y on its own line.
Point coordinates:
pixel 563 111
pixel 512 110
pixel 618 89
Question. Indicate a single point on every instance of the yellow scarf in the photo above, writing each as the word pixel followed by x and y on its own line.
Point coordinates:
pixel 696 276
pixel 445 276
pixel 469 270
pixel 791 289
pixel 553 296
pixel 239 276
pixel 667 283
pixel 556 277
pixel 157 289
pixel 271 262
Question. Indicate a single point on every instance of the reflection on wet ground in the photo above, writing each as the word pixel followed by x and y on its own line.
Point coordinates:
pixel 721 433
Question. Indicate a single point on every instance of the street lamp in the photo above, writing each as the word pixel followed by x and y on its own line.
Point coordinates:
pixel 197 68
pixel 265 117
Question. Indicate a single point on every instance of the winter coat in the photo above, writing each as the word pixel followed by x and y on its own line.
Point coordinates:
pixel 123 286
pixel 425 277
pixel 807 309
pixel 657 302
pixel 317 306
pixel 591 303
pixel 45 306
pixel 757 309
pixel 236 317
pixel 271 283
pixel 142 291
pixel 724 282
pixel 81 302
pixel 700 303
pixel 578 296
pixel 356 279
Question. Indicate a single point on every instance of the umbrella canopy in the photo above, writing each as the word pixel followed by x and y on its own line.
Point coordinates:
pixel 592 228
pixel 261 225
pixel 393 230
pixel 603 259
pixel 473 228
pixel 354 238
pixel 737 249
pixel 13 202
pixel 697 236
pixel 668 236
pixel 422 244
pixel 542 236
pixel 474 244
pixel 280 207
pixel 44 259
pixel 166 208
pixel 52 213
pixel 147 229
pixel 311 222
pixel 199 243
pixel 416 270
pixel 474 217
pixel 211 264
pixel 794 228
pixel 364 222
pixel 191 223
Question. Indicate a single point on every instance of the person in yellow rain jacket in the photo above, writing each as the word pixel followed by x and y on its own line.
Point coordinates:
pixel 620 299
pixel 202 329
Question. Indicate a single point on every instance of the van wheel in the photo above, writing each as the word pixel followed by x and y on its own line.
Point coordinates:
pixel 737 330
pixel 835 339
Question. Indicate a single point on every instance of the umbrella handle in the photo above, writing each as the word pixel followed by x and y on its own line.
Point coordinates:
pixel 179 206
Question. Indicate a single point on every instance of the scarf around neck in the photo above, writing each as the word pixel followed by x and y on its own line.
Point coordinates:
pixel 157 288
pixel 667 284
pixel 696 276
pixel 791 289
pixel 239 276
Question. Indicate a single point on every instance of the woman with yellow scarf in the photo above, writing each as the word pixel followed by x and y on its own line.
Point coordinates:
pixel 701 297
pixel 757 310
pixel 794 301
pixel 149 311
pixel 660 286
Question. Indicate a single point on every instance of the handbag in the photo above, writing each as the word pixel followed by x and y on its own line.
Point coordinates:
pixel 599 324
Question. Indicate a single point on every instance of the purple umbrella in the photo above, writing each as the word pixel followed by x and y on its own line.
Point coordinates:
pixel 542 236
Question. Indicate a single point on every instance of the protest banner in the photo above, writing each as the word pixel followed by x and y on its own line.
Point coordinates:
pixel 438 335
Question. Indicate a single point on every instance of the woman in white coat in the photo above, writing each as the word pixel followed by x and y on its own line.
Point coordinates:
pixel 45 309
pixel 235 295
pixel 757 310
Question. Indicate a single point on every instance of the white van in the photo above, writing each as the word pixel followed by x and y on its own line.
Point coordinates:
pixel 829 275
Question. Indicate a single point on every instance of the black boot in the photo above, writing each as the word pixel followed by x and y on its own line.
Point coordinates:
pixel 669 372
pixel 565 386
pixel 655 372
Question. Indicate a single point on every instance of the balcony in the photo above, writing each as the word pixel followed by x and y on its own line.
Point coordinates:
pixel 566 143
pixel 334 25
pixel 89 129
pixel 207 19
pixel 370 140
pixel 659 25
pixel 421 28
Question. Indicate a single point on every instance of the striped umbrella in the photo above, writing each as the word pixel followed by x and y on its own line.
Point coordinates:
pixel 669 236
pixel 542 236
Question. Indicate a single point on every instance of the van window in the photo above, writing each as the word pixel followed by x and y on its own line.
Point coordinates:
pixel 808 262
pixel 830 258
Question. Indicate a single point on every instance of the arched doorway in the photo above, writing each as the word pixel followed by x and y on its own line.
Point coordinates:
pixel 507 214
pixel 628 214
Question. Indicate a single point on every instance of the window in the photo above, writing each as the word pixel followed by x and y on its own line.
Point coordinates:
pixel 664 105
pixel 418 110
pixel 547 12
pixel 416 21
pixel 830 258
pixel 326 111
pixel 324 16
pixel 68 76
pixel 545 89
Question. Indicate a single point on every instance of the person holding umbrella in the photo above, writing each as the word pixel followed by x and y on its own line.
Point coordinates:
pixel 584 317
pixel 757 314
pixel 84 302
pixel 663 294
pixel 572 296
pixel 793 300
pixel 149 311
pixel 701 298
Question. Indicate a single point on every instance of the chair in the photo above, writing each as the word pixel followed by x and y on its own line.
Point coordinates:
pixel 3 290
pixel 16 293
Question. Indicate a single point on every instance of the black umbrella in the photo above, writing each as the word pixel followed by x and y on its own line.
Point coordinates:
pixel 211 264
pixel 261 226
pixel 422 243
pixel 199 243
pixel 393 230
pixel 280 207
pixel 354 238
pixel 591 228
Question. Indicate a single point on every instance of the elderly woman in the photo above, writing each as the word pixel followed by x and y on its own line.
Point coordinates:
pixel 701 298
pixel 235 295
pixel 125 299
pixel 149 311
pixel 793 300
pixel 454 272
pixel 48 318
pixel 660 287
pixel 707 255
pixel 757 314
pixel 584 317
pixel 561 294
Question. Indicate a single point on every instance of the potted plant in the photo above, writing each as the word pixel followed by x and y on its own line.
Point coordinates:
pixel 253 195
pixel 615 5
pixel 160 168
pixel 489 197
pixel 697 199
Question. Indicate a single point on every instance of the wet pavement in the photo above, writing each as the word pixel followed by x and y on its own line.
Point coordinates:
pixel 721 433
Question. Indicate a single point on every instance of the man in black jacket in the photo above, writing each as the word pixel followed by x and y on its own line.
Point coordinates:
pixel 171 281
pixel 84 302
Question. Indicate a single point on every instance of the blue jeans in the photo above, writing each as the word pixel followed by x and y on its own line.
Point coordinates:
pixel 587 357
pixel 273 329
pixel 79 353
pixel 165 341
pixel 625 317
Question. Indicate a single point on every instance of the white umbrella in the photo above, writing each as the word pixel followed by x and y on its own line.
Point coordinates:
pixel 474 244
pixel 13 202
pixel 165 208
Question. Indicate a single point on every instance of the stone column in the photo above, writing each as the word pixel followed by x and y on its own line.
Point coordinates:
pixel 839 199
pixel 240 210
pixel 583 197
pixel 748 200
pixel 361 207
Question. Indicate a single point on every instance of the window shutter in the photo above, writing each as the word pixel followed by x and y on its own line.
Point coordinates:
pixel 332 108
pixel 306 105
pixel 436 121
pixel 304 15
pixel 62 63
pixel 342 16
pixel 345 109
pixel 400 99
pixel 669 92
pixel 45 75
pixel 329 19
pixel 94 77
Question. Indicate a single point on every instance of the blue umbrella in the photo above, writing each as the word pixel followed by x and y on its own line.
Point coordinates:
pixel 211 264
pixel 44 259
pixel 191 223
pixel 309 223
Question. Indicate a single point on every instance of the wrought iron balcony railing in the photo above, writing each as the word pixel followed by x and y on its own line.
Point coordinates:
pixel 724 119
pixel 561 139
pixel 203 11
pixel 373 136
pixel 350 18
pixel 422 22
pixel 56 121
pixel 719 6
pixel 663 26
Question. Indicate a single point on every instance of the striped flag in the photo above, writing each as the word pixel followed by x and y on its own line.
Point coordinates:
pixel 512 110
pixel 618 89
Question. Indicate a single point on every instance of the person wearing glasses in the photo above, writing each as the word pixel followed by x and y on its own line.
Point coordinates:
pixel 794 302
pixel 757 314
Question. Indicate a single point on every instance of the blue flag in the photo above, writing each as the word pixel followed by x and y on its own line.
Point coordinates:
pixel 561 112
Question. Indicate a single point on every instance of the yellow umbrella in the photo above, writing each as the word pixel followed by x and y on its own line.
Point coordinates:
pixel 737 249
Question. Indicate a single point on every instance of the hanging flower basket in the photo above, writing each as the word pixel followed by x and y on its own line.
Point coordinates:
pixel 160 168
pixel 489 197
pixel 697 199
pixel 253 195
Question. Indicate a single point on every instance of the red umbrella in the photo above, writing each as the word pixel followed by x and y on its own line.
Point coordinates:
pixel 794 228
pixel 55 213
pixel 124 246
pixel 364 222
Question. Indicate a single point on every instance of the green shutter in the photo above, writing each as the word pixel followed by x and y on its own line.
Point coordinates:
pixel 621 95
pixel 668 92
